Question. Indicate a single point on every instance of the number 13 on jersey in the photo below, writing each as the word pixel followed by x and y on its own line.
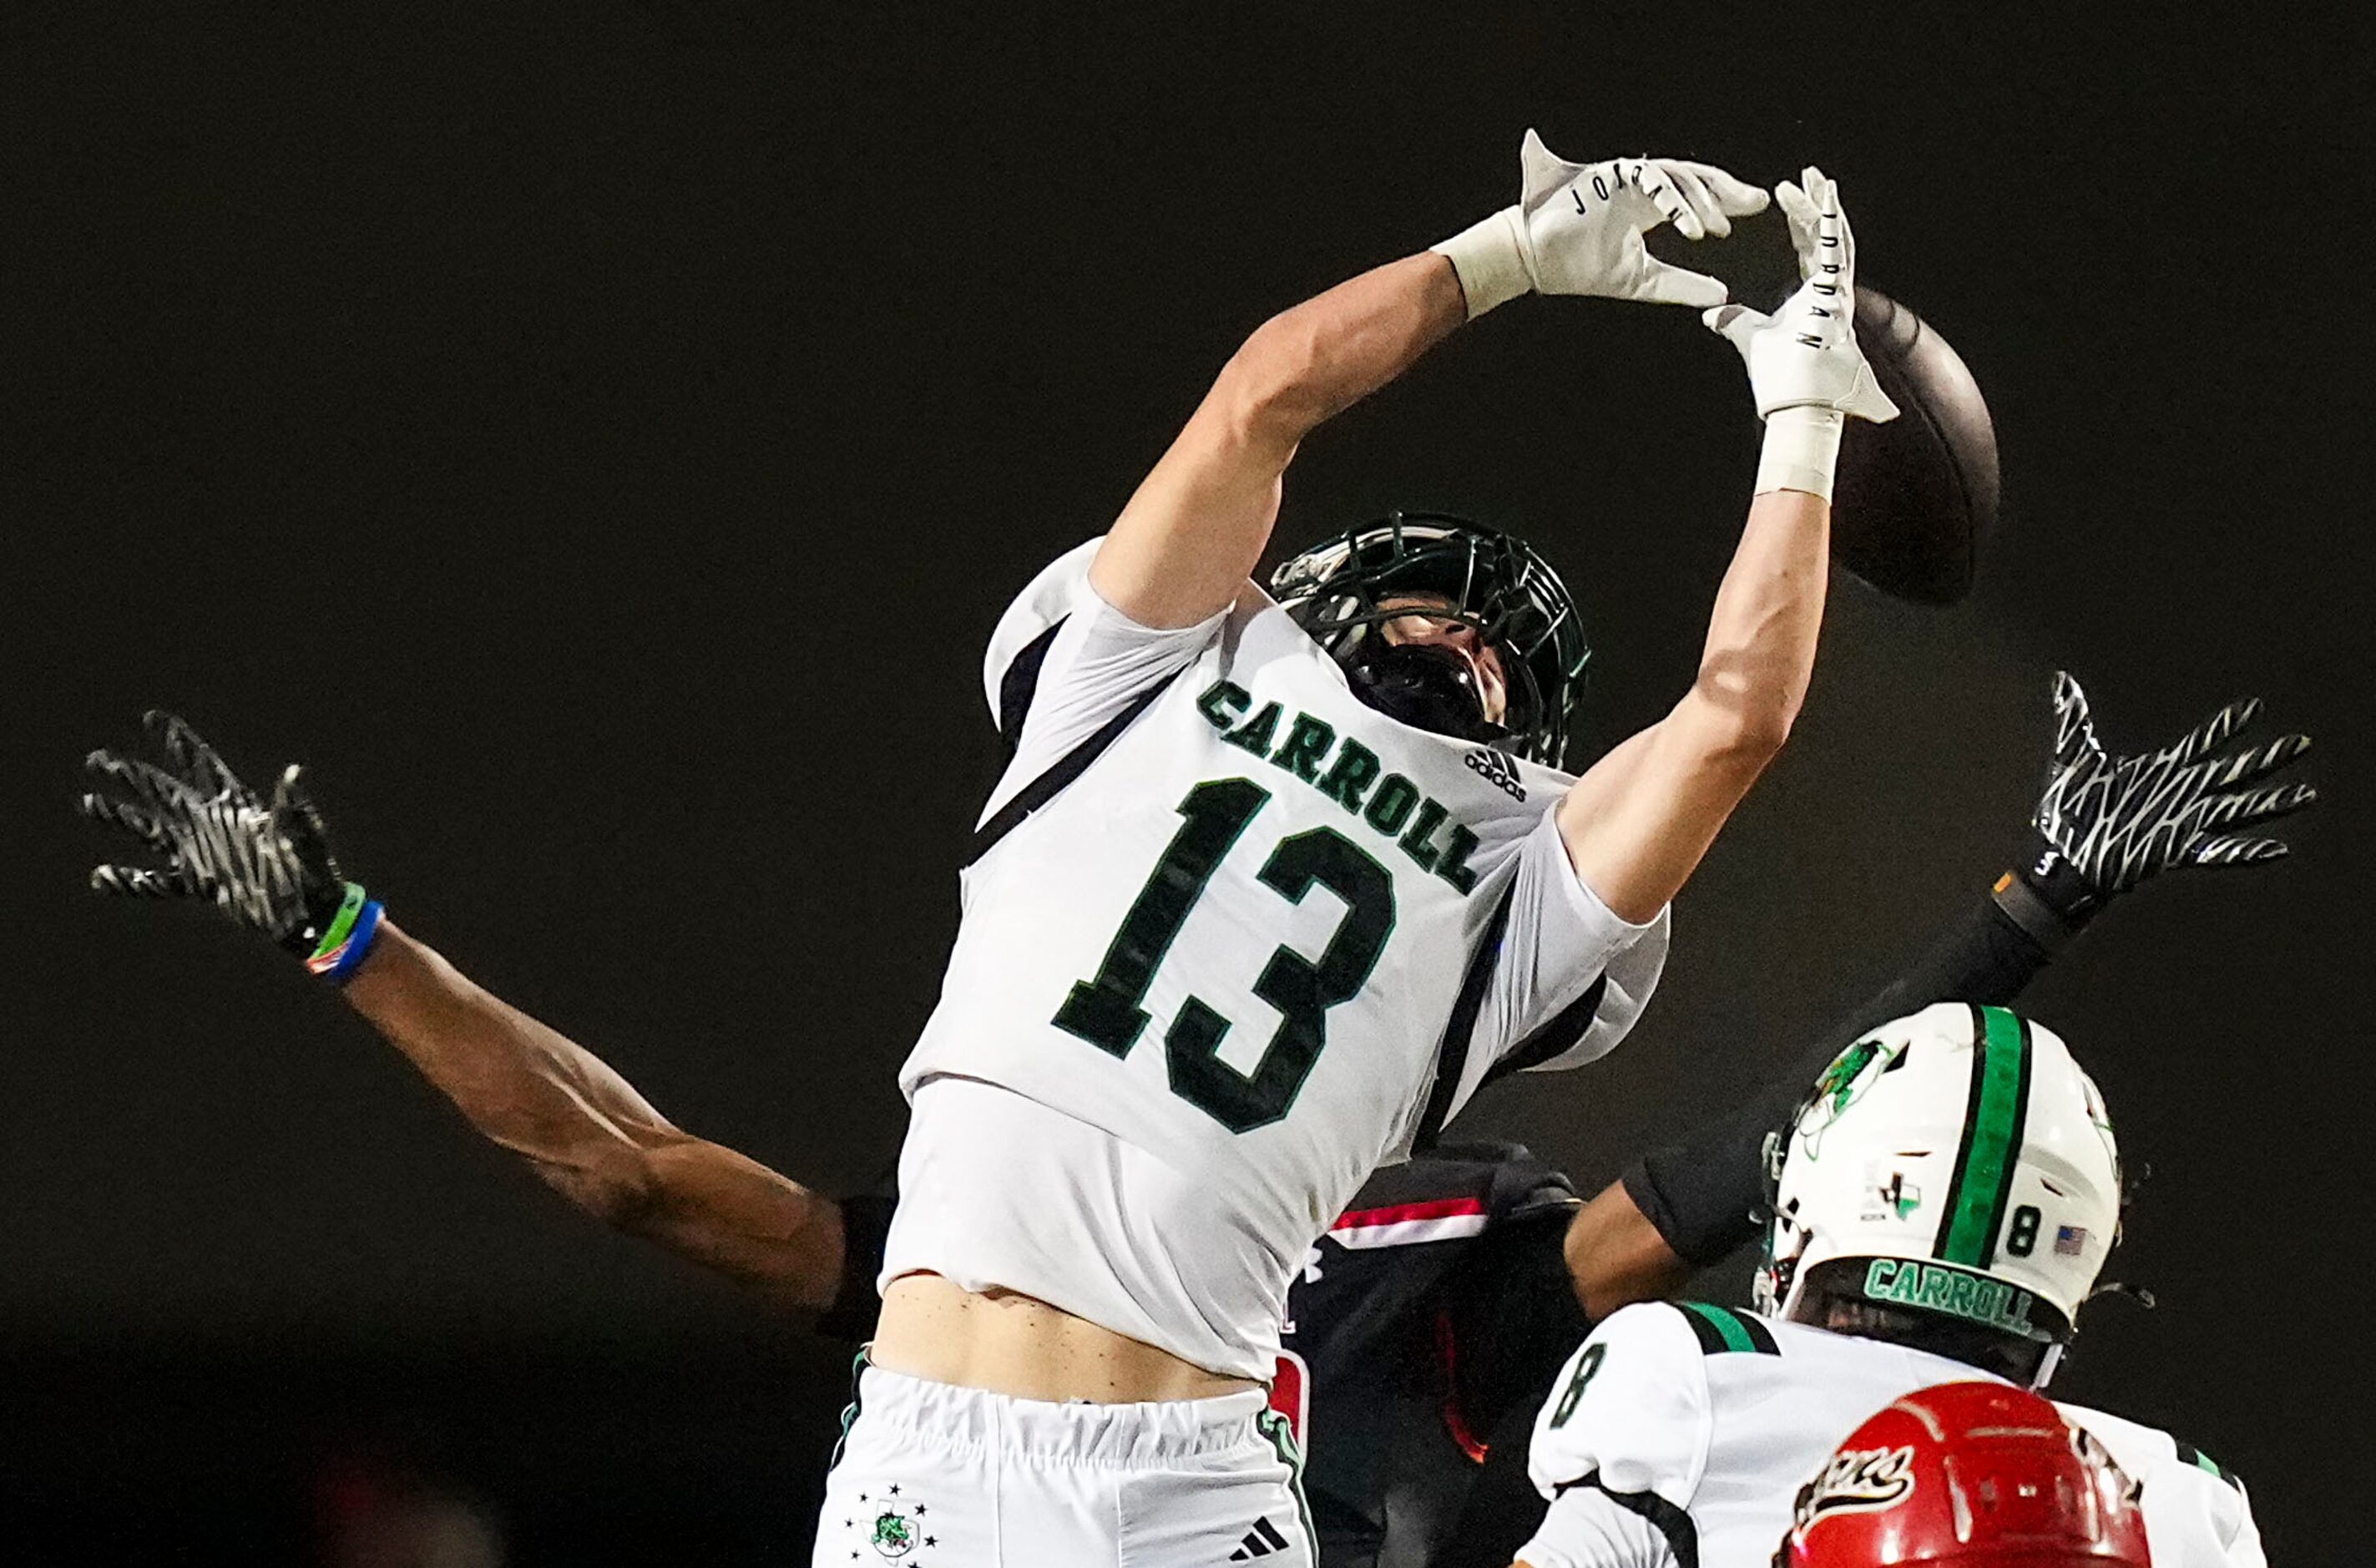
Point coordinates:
pixel 1108 1010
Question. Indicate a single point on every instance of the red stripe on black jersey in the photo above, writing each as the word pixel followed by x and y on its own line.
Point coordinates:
pixel 1408 1280
pixel 1402 1225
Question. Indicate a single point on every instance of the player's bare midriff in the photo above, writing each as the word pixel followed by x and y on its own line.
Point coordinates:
pixel 1007 1343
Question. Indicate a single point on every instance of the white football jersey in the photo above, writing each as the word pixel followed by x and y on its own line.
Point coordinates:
pixel 1267 939
pixel 1681 1433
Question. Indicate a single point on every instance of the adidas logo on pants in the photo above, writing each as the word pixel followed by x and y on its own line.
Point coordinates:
pixel 1261 1541
pixel 934 1476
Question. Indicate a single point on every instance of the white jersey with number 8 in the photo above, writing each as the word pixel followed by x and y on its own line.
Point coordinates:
pixel 1264 942
pixel 1681 1433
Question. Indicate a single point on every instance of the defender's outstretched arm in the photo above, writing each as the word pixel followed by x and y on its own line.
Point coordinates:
pixel 1184 543
pixel 585 1132
pixel 2103 824
pixel 266 863
pixel 2202 801
pixel 1637 823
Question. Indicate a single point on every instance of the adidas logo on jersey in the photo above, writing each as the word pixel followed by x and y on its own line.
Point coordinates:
pixel 1261 1541
pixel 1499 772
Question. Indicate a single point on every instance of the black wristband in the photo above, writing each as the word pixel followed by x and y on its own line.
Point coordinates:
pixel 865 1226
pixel 2047 897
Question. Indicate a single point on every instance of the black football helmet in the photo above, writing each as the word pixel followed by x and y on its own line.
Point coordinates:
pixel 1492 581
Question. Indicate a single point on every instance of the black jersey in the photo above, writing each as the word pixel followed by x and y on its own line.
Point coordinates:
pixel 1433 1305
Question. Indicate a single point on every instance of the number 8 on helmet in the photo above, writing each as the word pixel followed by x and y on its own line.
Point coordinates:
pixel 1952 1183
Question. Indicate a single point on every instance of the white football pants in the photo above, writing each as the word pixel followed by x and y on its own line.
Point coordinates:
pixel 933 1475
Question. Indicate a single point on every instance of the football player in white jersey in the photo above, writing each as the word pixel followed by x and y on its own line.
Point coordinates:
pixel 1429 1320
pixel 1269 885
pixel 1268 889
pixel 1944 1201
pixel 1427 1324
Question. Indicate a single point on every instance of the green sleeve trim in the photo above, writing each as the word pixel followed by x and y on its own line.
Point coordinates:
pixel 342 922
pixel 2192 1455
pixel 1720 1330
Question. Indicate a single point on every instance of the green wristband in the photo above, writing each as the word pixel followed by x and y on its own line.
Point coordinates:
pixel 340 925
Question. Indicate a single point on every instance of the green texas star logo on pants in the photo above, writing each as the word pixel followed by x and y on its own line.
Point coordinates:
pixel 896 1529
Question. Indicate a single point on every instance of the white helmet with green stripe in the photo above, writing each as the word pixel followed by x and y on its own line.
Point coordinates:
pixel 1956 1170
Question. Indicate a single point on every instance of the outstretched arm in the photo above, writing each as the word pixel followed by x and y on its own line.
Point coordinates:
pixel 585 1132
pixel 1637 823
pixel 1185 544
pixel 1186 541
pixel 1682 1207
pixel 2103 824
pixel 266 863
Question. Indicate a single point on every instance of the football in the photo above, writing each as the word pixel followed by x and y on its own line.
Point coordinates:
pixel 1914 500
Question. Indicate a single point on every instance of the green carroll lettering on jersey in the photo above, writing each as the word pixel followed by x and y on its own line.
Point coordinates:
pixel 1453 864
pixel 1355 769
pixel 1222 702
pixel 1307 742
pixel 1391 805
pixel 1344 770
pixel 1256 733
pixel 1939 1289
pixel 1418 843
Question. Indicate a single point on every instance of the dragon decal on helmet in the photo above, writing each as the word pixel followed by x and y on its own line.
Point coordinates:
pixel 1487 579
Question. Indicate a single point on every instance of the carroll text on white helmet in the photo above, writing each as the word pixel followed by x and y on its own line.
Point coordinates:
pixel 1965 1160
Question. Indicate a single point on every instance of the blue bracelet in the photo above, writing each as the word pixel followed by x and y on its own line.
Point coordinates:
pixel 358 943
pixel 349 941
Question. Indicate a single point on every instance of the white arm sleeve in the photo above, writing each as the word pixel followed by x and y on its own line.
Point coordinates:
pixel 1620 1445
pixel 2197 1515
pixel 1571 978
pixel 2198 1520
pixel 1062 662
pixel 1595 1532
pixel 2243 1543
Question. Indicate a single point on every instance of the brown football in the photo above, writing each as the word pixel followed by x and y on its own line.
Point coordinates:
pixel 1914 500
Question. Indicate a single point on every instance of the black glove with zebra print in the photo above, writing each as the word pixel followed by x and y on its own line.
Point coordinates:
pixel 267 864
pixel 2106 822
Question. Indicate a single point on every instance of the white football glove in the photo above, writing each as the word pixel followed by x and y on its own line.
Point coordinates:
pixel 1578 230
pixel 1805 355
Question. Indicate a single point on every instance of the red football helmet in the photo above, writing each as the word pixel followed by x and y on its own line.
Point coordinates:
pixel 1973 1475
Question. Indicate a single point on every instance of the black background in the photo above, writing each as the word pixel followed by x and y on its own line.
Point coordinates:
pixel 597 440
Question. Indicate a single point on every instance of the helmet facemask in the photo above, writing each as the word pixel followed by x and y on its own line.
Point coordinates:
pixel 1338 591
